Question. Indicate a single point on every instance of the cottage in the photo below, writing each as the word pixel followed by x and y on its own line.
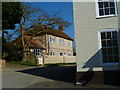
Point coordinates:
pixel 49 42
pixel 57 43
pixel 97 41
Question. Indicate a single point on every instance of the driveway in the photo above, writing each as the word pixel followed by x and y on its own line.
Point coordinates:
pixel 19 76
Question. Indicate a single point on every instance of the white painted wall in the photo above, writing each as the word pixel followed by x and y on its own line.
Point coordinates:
pixel 86 28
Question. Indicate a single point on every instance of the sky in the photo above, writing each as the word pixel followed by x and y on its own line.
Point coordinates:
pixel 65 10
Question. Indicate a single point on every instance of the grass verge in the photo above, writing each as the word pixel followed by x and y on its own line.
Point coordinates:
pixel 58 64
pixel 28 64
pixel 22 63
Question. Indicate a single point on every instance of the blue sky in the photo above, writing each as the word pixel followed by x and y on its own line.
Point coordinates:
pixel 65 10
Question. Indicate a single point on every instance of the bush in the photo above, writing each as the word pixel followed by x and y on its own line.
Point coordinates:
pixel 13 53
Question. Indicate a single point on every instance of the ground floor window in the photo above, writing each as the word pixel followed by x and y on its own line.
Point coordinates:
pixel 61 54
pixel 69 54
pixel 109 41
pixel 52 53
pixel 36 51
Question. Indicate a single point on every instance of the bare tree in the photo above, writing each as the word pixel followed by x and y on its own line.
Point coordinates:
pixel 39 20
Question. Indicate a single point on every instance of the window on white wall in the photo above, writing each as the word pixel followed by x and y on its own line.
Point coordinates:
pixel 109 47
pixel 106 8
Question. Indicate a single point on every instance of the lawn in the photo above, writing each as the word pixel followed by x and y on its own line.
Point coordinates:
pixel 59 64
pixel 47 65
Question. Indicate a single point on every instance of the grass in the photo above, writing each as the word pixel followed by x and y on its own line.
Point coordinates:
pixel 22 63
pixel 28 64
pixel 14 62
pixel 32 64
pixel 58 64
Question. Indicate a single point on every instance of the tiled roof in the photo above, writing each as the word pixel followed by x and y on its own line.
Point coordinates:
pixel 50 31
pixel 33 43
pixel 58 33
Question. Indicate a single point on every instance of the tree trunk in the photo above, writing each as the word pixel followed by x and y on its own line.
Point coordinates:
pixel 24 57
pixel 23 43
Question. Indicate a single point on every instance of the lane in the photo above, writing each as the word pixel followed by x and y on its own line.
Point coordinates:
pixel 19 76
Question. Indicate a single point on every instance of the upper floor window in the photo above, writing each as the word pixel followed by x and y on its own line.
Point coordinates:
pixel 61 41
pixel 106 8
pixel 68 43
pixel 52 39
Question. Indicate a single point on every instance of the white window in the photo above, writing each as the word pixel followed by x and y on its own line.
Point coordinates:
pixel 106 8
pixel 61 41
pixel 36 51
pixel 109 45
pixel 68 43
pixel 52 39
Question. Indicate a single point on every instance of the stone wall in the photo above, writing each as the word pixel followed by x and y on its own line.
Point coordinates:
pixel 59 59
pixel 31 58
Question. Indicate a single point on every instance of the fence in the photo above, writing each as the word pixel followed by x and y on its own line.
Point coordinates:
pixel 59 59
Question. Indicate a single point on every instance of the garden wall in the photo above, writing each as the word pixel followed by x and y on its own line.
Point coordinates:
pixel 59 59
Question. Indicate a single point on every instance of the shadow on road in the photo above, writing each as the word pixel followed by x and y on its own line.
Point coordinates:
pixel 60 73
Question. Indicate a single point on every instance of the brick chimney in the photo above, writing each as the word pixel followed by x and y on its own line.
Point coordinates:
pixel 61 27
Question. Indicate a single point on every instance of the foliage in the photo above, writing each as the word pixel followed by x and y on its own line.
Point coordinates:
pixel 11 14
pixel 22 63
pixel 12 52
pixel 14 62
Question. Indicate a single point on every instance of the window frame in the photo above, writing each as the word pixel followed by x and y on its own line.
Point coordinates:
pixel 69 54
pixel 69 43
pixel 111 15
pixel 62 42
pixel 52 41
pixel 62 54
pixel 100 47
pixel 36 51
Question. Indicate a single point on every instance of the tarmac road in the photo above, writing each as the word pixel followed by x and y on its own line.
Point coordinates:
pixel 19 76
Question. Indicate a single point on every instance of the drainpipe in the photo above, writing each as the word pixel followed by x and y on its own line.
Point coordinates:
pixel 48 45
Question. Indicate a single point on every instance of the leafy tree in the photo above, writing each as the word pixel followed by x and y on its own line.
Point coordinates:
pixel 11 14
